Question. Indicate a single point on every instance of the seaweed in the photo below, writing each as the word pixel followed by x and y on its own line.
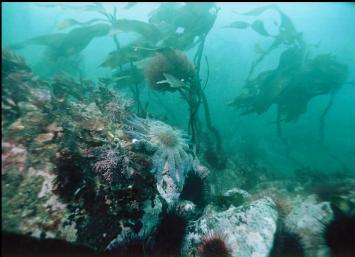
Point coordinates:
pixel 296 80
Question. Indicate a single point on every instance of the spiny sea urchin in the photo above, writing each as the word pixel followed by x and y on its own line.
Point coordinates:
pixel 214 245
pixel 195 189
pixel 170 233
pixel 69 175
pixel 339 234
pixel 286 243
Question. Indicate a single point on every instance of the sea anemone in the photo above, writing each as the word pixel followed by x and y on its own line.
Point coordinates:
pixel 339 234
pixel 171 153
pixel 214 245
pixel 169 233
pixel 286 243
pixel 172 62
pixel 169 145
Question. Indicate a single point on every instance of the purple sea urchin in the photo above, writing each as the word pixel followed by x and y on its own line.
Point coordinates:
pixel 339 235
pixel 195 189
pixel 286 243
pixel 69 175
pixel 214 245
pixel 169 234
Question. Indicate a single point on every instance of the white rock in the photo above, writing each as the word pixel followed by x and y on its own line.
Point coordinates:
pixel 248 229
pixel 307 219
pixel 168 189
pixel 237 191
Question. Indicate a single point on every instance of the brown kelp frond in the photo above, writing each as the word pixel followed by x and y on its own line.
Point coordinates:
pixel 174 63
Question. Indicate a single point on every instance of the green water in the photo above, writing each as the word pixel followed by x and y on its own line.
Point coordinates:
pixel 325 29
pixel 261 92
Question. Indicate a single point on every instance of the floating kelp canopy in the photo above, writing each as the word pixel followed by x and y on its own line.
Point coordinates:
pixel 171 28
pixel 177 27
pixel 292 84
pixel 83 163
pixel 299 76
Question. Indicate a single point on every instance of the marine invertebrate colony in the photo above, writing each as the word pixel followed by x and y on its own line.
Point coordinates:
pixel 112 162
pixel 117 108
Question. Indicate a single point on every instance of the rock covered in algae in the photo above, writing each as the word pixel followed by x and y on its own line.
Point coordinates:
pixel 71 171
pixel 248 230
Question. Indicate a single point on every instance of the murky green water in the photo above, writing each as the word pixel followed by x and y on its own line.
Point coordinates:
pixel 116 114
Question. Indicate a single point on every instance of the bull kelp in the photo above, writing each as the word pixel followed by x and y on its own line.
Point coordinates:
pixel 178 129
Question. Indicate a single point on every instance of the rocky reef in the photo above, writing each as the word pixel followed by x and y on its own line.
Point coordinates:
pixel 247 230
pixel 71 168
pixel 80 167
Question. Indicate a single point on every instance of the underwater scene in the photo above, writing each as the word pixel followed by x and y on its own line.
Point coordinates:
pixel 178 129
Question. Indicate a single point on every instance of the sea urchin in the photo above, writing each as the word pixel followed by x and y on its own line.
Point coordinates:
pixel 214 245
pixel 169 233
pixel 286 243
pixel 339 235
